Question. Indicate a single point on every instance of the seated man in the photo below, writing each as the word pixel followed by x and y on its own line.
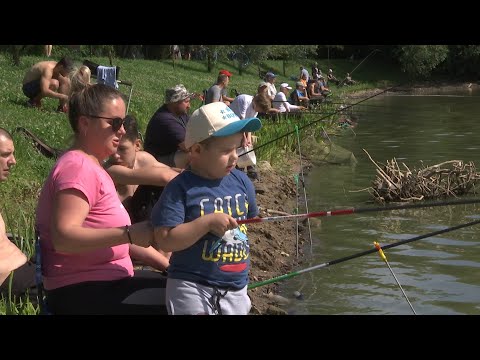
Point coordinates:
pixel 216 92
pixel 165 134
pixel 225 98
pixel 348 80
pixel 129 168
pixel 332 78
pixel 322 87
pixel 11 257
pixel 48 79
pixel 299 96
pixel 280 101
pixel 313 91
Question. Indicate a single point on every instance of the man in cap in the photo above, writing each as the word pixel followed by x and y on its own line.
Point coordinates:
pixel 262 88
pixel 11 257
pixel 165 134
pixel 280 101
pixel 48 79
pixel 332 78
pixel 270 80
pixel 225 98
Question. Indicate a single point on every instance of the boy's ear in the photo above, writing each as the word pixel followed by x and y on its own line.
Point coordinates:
pixel 196 149
pixel 138 145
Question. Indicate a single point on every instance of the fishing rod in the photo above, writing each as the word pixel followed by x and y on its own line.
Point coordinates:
pixel 360 254
pixel 304 189
pixel 366 57
pixel 357 211
pixel 384 258
pixel 321 119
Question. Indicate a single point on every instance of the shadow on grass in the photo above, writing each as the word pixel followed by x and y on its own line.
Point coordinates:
pixel 23 104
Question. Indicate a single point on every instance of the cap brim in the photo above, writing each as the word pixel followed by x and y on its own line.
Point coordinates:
pixel 247 125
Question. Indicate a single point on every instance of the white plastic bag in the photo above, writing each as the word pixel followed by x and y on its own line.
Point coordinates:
pixel 246 160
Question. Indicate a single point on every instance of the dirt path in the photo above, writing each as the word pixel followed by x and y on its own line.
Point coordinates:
pixel 273 244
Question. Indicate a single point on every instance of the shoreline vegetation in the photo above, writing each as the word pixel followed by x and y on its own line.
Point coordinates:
pixel 273 244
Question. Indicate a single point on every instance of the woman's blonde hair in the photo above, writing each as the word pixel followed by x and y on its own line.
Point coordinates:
pixel 79 78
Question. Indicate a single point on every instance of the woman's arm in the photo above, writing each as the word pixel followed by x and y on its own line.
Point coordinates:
pixel 150 257
pixel 70 210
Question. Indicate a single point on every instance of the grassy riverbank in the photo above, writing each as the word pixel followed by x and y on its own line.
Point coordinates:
pixel 150 79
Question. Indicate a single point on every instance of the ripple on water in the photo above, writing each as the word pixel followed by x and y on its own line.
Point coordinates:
pixel 464 263
pixel 452 242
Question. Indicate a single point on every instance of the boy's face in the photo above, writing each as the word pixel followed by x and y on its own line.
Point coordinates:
pixel 126 153
pixel 219 157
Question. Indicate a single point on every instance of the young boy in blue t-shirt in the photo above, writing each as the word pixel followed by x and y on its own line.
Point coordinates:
pixel 196 218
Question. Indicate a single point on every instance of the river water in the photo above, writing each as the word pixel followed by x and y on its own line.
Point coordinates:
pixel 440 274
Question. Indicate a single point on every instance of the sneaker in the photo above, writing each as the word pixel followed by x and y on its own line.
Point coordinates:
pixel 252 173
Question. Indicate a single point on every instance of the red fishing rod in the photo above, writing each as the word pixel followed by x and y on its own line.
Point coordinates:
pixel 357 211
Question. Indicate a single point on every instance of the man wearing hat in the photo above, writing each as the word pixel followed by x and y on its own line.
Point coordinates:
pixel 11 257
pixel 218 91
pixel 270 80
pixel 280 101
pixel 165 134
pixel 332 78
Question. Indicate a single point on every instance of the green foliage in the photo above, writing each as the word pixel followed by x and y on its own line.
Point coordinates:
pixel 421 59
pixel 21 306
pixel 463 61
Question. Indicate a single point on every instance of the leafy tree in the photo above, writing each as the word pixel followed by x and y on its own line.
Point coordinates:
pixel 464 61
pixel 292 52
pixel 421 60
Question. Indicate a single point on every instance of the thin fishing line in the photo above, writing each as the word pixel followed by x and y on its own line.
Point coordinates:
pixel 321 119
pixel 366 57
pixel 304 189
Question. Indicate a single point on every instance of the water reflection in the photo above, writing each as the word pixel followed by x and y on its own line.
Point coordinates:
pixel 440 274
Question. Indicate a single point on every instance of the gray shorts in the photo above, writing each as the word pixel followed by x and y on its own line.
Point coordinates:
pixel 190 298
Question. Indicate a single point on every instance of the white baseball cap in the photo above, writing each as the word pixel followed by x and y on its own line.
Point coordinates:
pixel 285 85
pixel 216 119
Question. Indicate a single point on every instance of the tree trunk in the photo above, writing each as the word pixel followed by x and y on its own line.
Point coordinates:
pixel 15 51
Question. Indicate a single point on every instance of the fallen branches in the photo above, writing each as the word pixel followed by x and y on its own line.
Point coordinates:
pixel 399 183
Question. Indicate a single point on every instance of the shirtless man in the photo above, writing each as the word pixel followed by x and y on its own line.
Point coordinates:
pixel 129 168
pixel 11 257
pixel 48 79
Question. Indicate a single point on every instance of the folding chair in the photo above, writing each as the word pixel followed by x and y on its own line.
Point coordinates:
pixel 96 69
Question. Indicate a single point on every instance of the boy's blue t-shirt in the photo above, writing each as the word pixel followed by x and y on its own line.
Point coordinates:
pixel 211 261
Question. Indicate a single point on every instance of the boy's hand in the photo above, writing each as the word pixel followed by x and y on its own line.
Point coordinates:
pixel 220 223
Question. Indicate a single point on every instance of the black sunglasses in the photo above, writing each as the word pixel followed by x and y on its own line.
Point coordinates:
pixel 117 122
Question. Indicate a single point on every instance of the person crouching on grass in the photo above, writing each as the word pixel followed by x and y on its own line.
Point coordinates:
pixel 196 218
